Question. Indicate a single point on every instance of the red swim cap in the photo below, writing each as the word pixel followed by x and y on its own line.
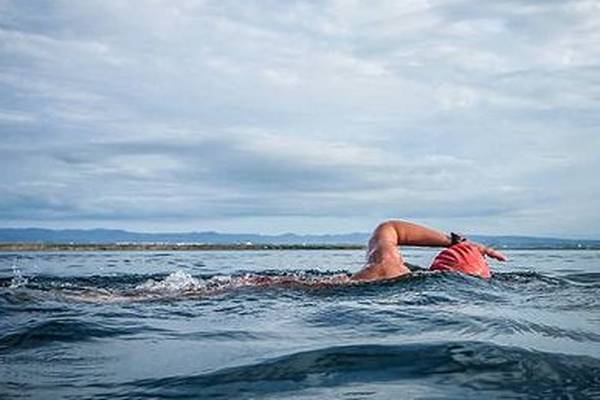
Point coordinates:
pixel 463 257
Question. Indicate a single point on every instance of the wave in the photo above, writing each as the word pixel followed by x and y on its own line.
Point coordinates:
pixel 453 367
pixel 41 333
pixel 178 284
pixel 183 285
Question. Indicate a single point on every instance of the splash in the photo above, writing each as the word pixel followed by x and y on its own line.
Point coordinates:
pixel 175 282
pixel 18 280
pixel 182 285
pixel 181 282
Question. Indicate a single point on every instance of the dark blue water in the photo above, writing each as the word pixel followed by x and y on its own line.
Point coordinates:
pixel 283 324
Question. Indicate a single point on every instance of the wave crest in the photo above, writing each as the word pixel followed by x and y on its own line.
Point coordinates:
pixel 454 367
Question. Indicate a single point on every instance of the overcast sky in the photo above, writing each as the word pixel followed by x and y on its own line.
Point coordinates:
pixel 302 116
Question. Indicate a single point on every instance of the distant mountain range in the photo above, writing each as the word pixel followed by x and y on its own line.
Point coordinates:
pixel 112 236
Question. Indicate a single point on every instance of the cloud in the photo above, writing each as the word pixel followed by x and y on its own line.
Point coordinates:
pixel 274 116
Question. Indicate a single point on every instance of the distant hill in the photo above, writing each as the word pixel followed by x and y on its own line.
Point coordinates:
pixel 37 235
pixel 532 242
pixel 112 236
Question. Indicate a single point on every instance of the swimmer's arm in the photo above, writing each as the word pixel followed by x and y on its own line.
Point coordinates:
pixel 384 260
pixel 407 233
pixel 490 252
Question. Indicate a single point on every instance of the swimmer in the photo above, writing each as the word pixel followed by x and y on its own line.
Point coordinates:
pixel 384 260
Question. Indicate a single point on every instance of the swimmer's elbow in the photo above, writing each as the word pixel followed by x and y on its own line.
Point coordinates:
pixel 385 228
pixel 391 231
pixel 385 225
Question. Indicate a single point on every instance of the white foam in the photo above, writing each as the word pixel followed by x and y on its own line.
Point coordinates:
pixel 178 281
pixel 18 280
pixel 180 284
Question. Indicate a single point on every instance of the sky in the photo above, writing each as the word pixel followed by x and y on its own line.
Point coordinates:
pixel 301 116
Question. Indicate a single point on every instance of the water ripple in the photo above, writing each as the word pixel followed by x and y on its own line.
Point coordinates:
pixel 456 366
pixel 41 333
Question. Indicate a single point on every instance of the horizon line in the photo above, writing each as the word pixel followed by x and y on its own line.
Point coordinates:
pixel 549 237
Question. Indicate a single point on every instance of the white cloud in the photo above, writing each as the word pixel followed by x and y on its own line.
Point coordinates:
pixel 301 112
pixel 16 117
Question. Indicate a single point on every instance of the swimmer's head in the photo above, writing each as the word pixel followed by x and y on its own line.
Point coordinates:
pixel 463 257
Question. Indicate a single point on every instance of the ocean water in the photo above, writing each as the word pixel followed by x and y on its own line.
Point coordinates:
pixel 287 324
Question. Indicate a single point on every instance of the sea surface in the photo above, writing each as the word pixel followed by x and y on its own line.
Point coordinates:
pixel 287 324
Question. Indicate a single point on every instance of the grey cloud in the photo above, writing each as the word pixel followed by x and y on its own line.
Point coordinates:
pixel 227 110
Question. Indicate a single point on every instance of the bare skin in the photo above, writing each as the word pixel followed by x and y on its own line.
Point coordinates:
pixel 384 260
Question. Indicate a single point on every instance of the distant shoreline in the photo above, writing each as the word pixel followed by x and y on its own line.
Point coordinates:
pixel 168 247
pixel 85 247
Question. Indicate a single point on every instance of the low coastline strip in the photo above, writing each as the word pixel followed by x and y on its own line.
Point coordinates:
pixel 17 247
pixel 91 247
